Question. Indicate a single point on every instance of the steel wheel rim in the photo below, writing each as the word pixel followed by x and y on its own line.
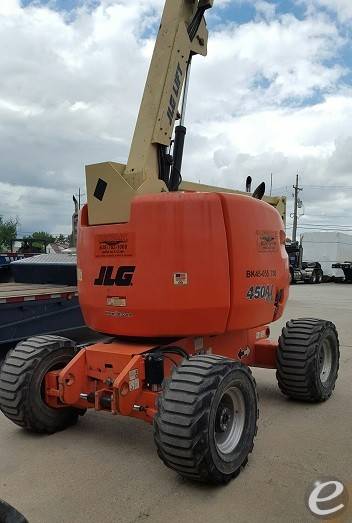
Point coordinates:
pixel 229 420
pixel 326 358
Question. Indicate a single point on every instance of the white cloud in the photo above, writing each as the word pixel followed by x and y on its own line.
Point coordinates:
pixel 263 63
pixel 9 7
pixel 71 87
pixel 265 9
pixel 343 8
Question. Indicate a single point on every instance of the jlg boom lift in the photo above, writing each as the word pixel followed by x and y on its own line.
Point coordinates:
pixel 186 283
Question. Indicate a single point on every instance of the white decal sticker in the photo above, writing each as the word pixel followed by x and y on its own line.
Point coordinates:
pixel 180 278
pixel 134 380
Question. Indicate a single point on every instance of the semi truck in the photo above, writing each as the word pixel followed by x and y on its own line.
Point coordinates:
pixel 300 271
pixel 321 256
pixel 333 251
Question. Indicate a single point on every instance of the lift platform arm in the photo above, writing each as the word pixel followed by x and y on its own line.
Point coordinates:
pixel 151 168
pixel 111 186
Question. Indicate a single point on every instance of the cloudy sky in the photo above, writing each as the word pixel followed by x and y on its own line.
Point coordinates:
pixel 273 96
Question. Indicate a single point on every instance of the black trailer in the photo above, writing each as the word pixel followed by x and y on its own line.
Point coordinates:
pixel 6 259
pixel 30 309
pixel 42 300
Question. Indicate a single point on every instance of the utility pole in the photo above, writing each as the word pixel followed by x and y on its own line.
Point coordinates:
pixel 295 215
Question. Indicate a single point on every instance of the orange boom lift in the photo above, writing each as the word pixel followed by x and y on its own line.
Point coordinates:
pixel 185 281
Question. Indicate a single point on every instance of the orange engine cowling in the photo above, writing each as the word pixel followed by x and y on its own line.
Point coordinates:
pixel 185 264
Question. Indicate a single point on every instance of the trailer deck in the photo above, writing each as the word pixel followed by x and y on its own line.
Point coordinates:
pixel 16 292
pixel 28 309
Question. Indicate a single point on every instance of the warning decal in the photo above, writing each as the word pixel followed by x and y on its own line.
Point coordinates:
pixel 267 241
pixel 114 244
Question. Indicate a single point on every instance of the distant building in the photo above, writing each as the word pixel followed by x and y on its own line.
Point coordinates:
pixel 54 248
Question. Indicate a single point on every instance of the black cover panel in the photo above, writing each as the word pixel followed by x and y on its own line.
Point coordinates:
pixel 59 269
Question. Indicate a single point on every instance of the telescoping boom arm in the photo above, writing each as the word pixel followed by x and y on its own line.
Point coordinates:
pixel 150 167
pixel 182 34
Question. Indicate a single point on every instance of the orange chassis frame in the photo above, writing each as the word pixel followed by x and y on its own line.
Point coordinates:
pixel 111 376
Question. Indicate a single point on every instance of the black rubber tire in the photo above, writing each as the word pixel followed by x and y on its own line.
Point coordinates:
pixel 299 359
pixel 21 379
pixel 184 426
pixel 319 277
pixel 9 514
pixel 2 359
pixel 313 278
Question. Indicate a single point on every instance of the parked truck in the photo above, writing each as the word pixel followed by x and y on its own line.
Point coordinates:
pixel 333 251
pixel 346 267
pixel 301 271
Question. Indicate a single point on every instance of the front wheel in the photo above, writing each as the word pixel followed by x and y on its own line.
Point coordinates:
pixel 22 377
pixel 308 359
pixel 207 419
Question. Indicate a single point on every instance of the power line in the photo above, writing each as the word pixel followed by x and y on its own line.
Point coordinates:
pixel 347 187
pixel 329 217
pixel 286 187
pixel 335 225
pixel 324 229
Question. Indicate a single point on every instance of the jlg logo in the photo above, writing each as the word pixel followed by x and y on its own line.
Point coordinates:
pixel 123 277
pixel 176 86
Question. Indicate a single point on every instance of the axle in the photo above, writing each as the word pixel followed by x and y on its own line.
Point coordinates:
pixel 126 378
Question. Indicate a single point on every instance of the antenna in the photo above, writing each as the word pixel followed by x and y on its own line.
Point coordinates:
pixel 248 184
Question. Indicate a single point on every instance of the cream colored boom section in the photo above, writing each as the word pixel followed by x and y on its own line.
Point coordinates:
pixel 279 202
pixel 163 88
pixel 111 186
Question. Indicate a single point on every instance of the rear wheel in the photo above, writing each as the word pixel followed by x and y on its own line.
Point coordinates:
pixel 313 278
pixel 9 514
pixel 2 358
pixel 319 276
pixel 207 419
pixel 308 359
pixel 22 384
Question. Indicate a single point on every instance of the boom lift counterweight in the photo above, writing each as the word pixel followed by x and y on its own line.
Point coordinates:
pixel 186 283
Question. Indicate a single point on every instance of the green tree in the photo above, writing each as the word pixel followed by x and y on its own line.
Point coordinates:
pixel 8 232
pixel 62 240
pixel 42 237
